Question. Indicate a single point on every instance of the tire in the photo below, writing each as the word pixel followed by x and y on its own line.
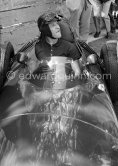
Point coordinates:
pixel 109 55
pixel 7 51
pixel 6 145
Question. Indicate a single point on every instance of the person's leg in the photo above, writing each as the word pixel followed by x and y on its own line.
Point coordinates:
pixel 112 20
pixel 85 20
pixel 96 16
pixel 105 16
pixel 97 26
pixel 74 22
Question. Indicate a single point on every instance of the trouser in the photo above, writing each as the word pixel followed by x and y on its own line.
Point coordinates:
pixel 80 20
pixel 112 19
pixel 101 10
pixel 105 16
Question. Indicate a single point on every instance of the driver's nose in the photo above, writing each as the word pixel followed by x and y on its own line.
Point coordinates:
pixel 57 26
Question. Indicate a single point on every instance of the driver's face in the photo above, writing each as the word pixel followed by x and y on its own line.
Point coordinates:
pixel 55 29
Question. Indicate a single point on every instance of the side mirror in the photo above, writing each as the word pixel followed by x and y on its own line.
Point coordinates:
pixel 92 59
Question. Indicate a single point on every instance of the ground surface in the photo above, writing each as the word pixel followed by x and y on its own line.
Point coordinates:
pixel 19 26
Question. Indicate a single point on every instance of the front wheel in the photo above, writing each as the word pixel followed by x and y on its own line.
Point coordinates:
pixel 7 53
pixel 109 55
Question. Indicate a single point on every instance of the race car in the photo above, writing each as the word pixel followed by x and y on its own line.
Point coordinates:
pixel 52 117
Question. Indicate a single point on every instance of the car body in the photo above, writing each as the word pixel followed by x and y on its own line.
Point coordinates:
pixel 63 122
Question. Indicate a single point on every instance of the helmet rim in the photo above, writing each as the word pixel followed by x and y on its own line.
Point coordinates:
pixel 47 18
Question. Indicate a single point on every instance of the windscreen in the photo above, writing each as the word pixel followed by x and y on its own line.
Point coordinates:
pixel 60 120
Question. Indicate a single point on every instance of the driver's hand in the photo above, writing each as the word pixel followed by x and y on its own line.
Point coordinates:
pixel 76 68
pixel 22 57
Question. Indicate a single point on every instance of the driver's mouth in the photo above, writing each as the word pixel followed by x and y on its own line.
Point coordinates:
pixel 59 31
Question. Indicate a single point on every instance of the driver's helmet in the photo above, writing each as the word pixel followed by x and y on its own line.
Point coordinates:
pixel 44 20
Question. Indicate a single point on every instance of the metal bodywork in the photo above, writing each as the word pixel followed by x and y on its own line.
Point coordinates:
pixel 63 121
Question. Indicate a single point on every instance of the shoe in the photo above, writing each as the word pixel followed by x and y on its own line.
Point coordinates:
pixel 108 35
pixel 113 31
pixel 97 34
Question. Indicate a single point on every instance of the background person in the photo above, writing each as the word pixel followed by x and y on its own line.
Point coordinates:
pixel 101 10
pixel 80 14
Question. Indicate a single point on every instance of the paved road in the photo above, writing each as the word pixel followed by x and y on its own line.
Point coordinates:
pixel 22 33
